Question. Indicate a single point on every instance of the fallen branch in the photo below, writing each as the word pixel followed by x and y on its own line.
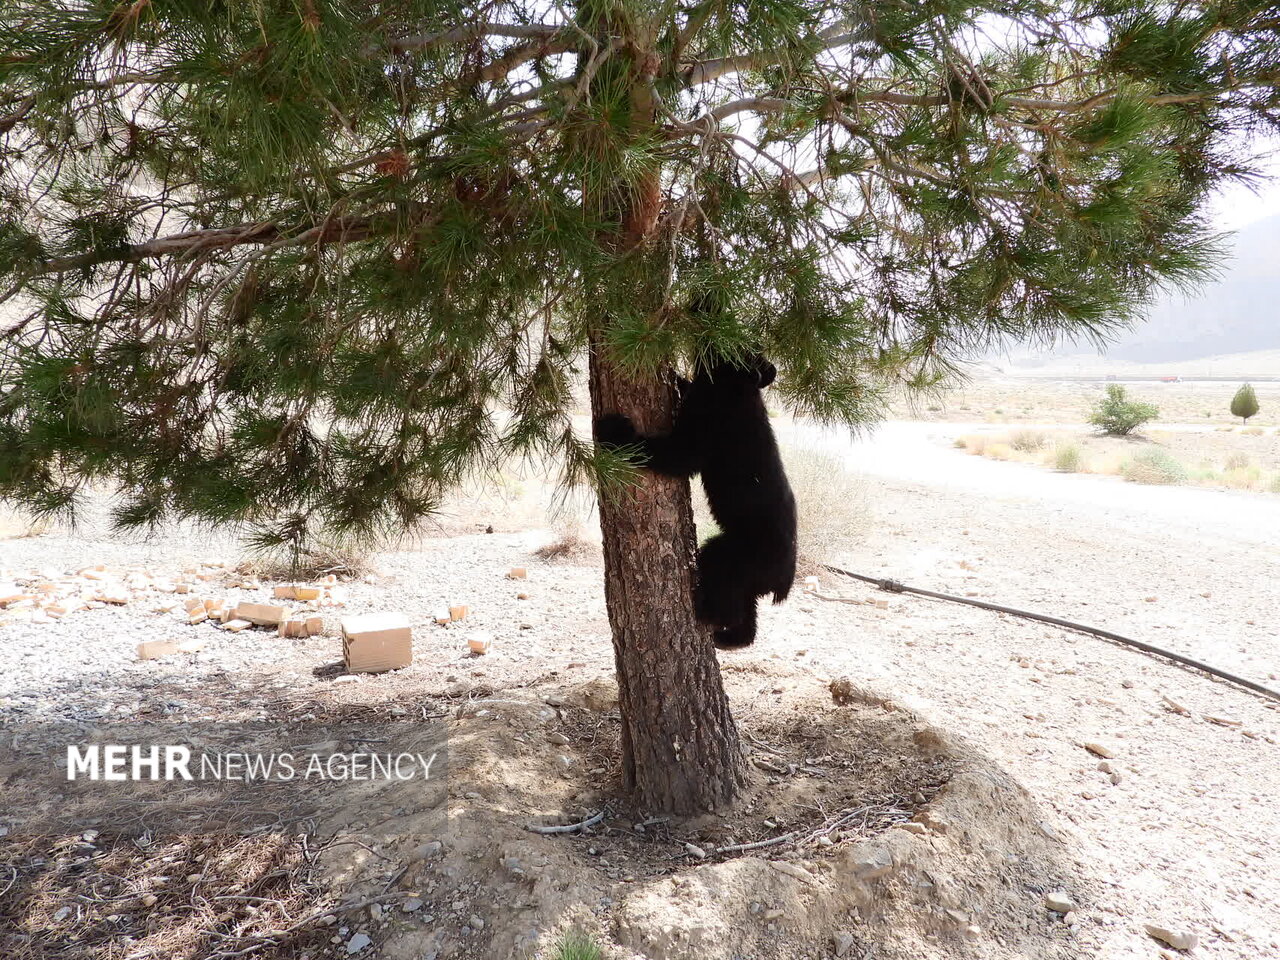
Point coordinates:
pixel 567 827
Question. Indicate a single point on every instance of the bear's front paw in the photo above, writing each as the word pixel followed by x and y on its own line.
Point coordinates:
pixel 615 430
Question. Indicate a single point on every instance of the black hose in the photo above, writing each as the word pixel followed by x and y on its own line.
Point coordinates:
pixel 893 586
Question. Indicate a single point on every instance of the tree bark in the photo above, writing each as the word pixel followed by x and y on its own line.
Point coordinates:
pixel 680 747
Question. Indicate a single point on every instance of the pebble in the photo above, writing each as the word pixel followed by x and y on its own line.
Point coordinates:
pixel 1059 902
pixel 358 943
pixel 559 739
pixel 842 943
pixel 1176 939
pixel 1100 750
pixel 411 905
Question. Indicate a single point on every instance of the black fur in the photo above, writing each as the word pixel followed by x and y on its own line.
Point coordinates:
pixel 722 431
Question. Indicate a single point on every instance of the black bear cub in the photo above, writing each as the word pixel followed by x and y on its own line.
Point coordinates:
pixel 722 431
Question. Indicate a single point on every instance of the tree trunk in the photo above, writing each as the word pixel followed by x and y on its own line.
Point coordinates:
pixel 680 748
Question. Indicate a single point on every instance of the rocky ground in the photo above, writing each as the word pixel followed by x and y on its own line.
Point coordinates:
pixel 1142 792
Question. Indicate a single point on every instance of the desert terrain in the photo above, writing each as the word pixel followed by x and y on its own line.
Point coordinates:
pixel 946 781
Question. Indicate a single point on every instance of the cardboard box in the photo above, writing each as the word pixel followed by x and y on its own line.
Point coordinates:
pixel 374 642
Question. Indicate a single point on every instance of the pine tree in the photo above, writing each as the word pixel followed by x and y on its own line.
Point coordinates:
pixel 1245 403
pixel 301 264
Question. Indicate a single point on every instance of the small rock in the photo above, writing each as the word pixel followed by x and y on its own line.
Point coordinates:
pixel 427 850
pixel 62 913
pixel 695 851
pixel 476 922
pixel 873 864
pixel 1100 750
pixel 559 739
pixel 919 829
pixel 792 870
pixel 1059 902
pixel 1176 939
pixel 842 943
pixel 358 943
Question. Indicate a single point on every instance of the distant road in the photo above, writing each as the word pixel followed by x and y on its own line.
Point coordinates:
pixel 1135 379
pixel 923 454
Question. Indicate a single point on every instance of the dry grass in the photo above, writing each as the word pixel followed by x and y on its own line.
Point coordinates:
pixel 16 524
pixel 831 503
pixel 187 898
pixel 1069 452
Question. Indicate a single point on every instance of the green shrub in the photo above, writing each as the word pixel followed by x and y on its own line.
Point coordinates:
pixel 1154 466
pixel 576 945
pixel 1117 416
pixel 1245 403
pixel 1068 458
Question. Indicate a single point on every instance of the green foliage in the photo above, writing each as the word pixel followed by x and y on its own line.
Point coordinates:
pixel 304 263
pixel 1118 416
pixel 1068 458
pixel 1245 403
pixel 1154 466
pixel 576 945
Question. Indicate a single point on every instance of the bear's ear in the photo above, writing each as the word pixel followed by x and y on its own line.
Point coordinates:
pixel 766 373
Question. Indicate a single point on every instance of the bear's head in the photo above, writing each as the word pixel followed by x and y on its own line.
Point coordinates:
pixel 753 370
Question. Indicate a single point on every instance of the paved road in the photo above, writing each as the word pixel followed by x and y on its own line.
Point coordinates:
pixel 921 453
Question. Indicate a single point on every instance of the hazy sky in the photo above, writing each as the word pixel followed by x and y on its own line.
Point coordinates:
pixel 1238 206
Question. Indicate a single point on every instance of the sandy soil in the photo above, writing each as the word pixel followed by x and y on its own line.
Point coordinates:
pixel 1185 833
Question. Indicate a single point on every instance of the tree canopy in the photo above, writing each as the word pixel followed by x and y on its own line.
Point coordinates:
pixel 304 262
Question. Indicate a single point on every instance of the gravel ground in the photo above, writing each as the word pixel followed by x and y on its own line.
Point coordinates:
pixel 1186 832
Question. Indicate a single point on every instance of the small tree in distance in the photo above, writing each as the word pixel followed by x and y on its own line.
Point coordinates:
pixel 1118 416
pixel 1245 403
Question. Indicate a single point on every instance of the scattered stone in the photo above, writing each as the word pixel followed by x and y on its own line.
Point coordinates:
pixel 1174 705
pixel 358 943
pixel 842 943
pixel 1223 721
pixel 426 851
pixel 559 739
pixel 191 646
pixel 517 573
pixel 522 596
pixel 1106 766
pixel 263 614
pixel 155 649
pixel 792 870
pixel 1059 902
pixel 695 851
pixel 1100 750
pixel 62 913
pixel 872 864
pixel 412 905
pixel 1177 939
pixel 919 829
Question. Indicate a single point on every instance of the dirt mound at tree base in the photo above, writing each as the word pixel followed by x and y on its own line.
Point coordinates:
pixel 898 842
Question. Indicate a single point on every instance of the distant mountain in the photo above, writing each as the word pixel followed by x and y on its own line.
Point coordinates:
pixel 1240 313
